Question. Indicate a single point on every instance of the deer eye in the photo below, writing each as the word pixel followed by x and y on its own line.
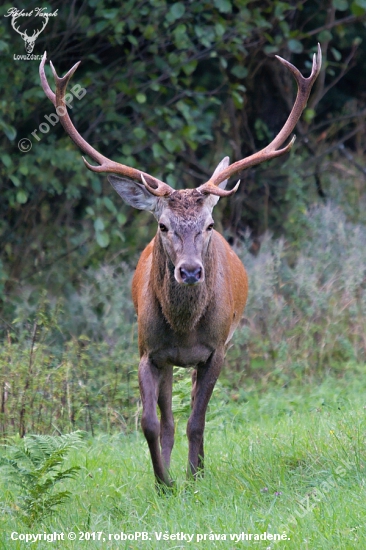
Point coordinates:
pixel 163 227
pixel 210 227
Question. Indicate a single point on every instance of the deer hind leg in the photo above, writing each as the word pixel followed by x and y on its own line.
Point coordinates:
pixel 204 380
pixel 166 415
pixel 149 381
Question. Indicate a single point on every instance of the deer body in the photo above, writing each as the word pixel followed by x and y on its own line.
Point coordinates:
pixel 182 324
pixel 189 288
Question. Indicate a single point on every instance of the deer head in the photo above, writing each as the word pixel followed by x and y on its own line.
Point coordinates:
pixel 185 221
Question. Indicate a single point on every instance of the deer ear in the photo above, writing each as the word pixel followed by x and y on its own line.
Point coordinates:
pixel 135 194
pixel 212 200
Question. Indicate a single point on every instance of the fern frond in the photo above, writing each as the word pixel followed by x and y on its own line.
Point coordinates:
pixel 35 466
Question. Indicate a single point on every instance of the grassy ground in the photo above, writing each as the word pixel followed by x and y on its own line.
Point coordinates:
pixel 281 460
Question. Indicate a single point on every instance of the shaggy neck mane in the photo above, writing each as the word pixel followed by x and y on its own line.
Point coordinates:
pixel 182 305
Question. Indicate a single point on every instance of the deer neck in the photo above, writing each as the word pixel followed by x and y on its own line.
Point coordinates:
pixel 182 305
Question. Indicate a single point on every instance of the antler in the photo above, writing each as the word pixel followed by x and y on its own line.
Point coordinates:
pixel 22 34
pixel 37 33
pixel 155 186
pixel 272 150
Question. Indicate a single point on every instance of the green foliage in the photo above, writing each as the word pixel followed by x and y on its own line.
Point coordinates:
pixel 34 465
pixel 66 368
pixel 171 88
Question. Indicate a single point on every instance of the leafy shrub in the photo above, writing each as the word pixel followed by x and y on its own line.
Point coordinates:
pixel 308 312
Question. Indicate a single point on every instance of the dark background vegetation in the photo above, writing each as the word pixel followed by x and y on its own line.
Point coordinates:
pixel 173 87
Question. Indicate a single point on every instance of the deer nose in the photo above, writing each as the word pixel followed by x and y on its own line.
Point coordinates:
pixel 190 276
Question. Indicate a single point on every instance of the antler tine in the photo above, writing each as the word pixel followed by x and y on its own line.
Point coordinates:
pixel 17 28
pixel 44 82
pixel 212 189
pixel 162 190
pixel 156 186
pixel 44 24
pixel 271 151
pixel 304 89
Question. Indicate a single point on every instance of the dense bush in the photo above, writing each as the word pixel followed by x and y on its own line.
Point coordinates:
pixel 172 87
pixel 307 313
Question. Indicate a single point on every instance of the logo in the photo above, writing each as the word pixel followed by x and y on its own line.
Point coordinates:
pixel 40 16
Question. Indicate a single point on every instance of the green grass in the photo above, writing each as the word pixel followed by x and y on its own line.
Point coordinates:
pixel 277 459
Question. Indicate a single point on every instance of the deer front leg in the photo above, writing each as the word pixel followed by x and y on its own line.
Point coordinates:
pixel 193 397
pixel 204 381
pixel 166 415
pixel 149 381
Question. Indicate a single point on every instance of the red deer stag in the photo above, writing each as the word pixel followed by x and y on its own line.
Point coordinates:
pixel 189 288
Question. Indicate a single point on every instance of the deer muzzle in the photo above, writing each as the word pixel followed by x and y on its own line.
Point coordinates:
pixel 189 274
